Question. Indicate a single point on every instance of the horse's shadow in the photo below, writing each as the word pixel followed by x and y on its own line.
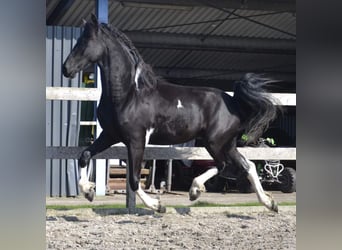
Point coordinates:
pixel 183 210
pixel 69 218
pixel 240 216
pixel 117 211
pixel 136 211
pixel 73 218
pixel 121 211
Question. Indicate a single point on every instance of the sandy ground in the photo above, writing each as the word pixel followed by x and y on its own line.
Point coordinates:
pixel 186 228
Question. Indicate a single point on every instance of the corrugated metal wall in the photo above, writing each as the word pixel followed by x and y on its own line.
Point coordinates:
pixel 62 117
pixel 187 20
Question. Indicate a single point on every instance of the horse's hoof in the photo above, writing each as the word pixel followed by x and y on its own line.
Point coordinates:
pixel 90 196
pixel 274 207
pixel 161 209
pixel 194 195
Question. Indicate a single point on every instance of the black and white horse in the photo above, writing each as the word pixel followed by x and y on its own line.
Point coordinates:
pixel 137 108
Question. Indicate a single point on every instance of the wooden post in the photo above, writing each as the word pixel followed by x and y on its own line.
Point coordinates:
pixel 169 176
pixel 102 11
pixel 101 164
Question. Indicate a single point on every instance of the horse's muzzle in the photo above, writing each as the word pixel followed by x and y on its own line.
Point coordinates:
pixel 67 73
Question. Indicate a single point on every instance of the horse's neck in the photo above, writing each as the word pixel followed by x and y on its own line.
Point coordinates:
pixel 116 83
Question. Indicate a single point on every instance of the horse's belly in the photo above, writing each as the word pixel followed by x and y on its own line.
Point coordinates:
pixel 165 139
pixel 173 133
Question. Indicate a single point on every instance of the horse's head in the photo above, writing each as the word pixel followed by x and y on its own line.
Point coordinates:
pixel 88 49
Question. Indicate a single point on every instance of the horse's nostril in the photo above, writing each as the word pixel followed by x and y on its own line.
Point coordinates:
pixel 65 71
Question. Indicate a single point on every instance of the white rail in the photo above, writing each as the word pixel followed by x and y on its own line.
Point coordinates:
pixel 92 94
pixel 166 153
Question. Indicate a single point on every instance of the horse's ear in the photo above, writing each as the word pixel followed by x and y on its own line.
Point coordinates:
pixel 95 23
pixel 94 19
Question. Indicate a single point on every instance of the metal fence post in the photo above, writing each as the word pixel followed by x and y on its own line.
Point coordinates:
pixel 101 164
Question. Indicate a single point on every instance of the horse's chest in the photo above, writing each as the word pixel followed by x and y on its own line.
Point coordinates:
pixel 106 116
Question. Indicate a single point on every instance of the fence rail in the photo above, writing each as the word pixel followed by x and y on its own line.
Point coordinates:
pixel 166 153
pixel 93 94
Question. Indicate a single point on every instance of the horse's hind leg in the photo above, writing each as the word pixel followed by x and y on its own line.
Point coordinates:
pixel 249 167
pixel 103 142
pixel 198 183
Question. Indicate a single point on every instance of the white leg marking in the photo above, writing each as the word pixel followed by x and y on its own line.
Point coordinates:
pixel 84 183
pixel 253 177
pixel 149 132
pixel 198 183
pixel 179 104
pixel 137 74
pixel 147 200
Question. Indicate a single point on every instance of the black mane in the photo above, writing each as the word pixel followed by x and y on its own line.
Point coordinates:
pixel 147 77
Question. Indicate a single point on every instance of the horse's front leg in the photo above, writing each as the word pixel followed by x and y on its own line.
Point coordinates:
pixel 135 156
pixel 86 187
pixel 103 142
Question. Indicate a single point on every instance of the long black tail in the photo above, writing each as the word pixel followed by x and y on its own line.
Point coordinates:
pixel 256 106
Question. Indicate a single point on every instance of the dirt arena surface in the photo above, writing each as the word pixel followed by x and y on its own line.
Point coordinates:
pixel 173 198
pixel 183 228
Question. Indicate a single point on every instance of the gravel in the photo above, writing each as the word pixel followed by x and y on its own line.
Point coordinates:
pixel 195 228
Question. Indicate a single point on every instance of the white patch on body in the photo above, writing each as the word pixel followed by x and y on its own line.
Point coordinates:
pixel 147 200
pixel 179 104
pixel 136 78
pixel 149 132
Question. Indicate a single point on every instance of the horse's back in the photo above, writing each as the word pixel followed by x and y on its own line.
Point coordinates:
pixel 171 92
pixel 183 113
